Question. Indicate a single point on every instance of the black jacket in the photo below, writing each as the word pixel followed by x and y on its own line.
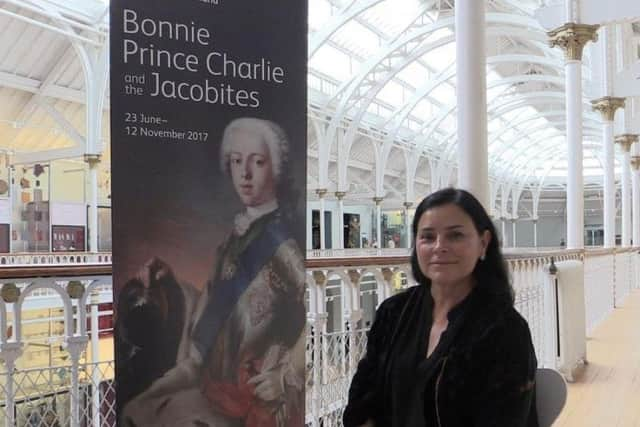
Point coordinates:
pixel 483 377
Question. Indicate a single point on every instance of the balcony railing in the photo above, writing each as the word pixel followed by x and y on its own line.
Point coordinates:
pixel 342 295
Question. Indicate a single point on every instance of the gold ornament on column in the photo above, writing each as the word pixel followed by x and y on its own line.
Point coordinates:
pixel 626 140
pixel 635 162
pixel 607 106
pixel 321 192
pixel 75 289
pixel 340 195
pixel 378 200
pixel 572 38
pixel 10 293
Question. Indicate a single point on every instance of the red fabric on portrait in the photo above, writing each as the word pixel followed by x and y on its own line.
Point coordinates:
pixel 238 400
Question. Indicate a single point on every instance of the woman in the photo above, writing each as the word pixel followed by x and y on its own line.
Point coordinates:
pixel 245 360
pixel 452 351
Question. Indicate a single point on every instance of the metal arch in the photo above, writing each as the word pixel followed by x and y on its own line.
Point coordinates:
pixel 449 148
pixel 501 30
pixel 42 284
pixel 513 163
pixel 380 84
pixel 373 63
pixel 548 170
pixel 515 124
pixel 336 22
pixel 434 124
pixel 403 34
pixel 93 60
pixel 544 158
pixel 444 76
pixel 418 96
pixel 351 130
pixel 376 153
pixel 525 133
pixel 401 43
pixel 497 111
pixel 405 110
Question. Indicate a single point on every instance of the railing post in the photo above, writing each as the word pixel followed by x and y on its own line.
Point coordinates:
pixel 551 325
pixel 75 346
pixel 10 352
pixel 95 359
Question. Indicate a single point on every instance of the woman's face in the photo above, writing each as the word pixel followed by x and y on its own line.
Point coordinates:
pixel 251 168
pixel 448 245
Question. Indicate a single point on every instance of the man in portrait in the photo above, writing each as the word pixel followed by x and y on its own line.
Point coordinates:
pixel 239 358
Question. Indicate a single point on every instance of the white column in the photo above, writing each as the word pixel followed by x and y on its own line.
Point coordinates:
pixel 340 196
pixel 95 359
pixel 10 351
pixel 93 161
pixel 377 201
pixel 503 222
pixel 321 193
pixel 626 202
pixel 609 186
pixel 575 186
pixel 535 232
pixel 625 141
pixel 513 233
pixel 12 202
pixel 407 224
pixel 471 93
pixel 75 346
pixel 635 187
pixel 571 38
pixel 607 107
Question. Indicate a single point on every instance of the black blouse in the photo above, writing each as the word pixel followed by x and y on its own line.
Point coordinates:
pixel 416 374
pixel 481 374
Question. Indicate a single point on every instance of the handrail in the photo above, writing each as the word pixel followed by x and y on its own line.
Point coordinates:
pixel 55 271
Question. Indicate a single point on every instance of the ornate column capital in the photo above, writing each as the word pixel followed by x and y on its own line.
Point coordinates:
pixel 321 192
pixel 92 159
pixel 572 38
pixel 340 194
pixel 407 205
pixel 377 200
pixel 626 140
pixel 354 276
pixel 607 106
pixel 635 163
pixel 319 277
pixel 11 351
pixel 75 346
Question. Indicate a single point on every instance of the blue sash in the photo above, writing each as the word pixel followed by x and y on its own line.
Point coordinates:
pixel 225 293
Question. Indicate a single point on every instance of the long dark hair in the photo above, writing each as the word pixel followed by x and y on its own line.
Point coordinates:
pixel 491 274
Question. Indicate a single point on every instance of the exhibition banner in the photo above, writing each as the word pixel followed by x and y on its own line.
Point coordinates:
pixel 208 152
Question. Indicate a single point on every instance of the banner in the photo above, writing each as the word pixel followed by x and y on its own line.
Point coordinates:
pixel 208 150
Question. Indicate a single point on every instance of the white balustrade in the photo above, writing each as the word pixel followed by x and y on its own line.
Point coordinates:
pixel 54 258
pixel 341 301
pixel 610 275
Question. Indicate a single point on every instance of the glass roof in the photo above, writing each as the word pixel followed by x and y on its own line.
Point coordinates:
pixel 408 89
